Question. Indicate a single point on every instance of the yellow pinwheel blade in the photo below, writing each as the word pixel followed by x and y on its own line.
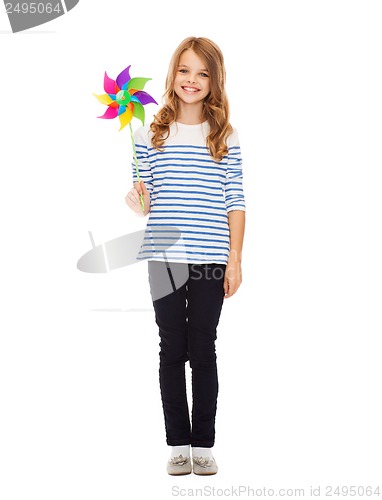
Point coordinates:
pixel 125 118
pixel 104 99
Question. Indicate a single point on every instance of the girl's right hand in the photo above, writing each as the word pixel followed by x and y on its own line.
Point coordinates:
pixel 133 200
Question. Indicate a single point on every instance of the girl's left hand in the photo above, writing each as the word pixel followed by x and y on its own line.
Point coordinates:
pixel 232 277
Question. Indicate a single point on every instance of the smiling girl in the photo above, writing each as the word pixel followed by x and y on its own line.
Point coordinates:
pixel 191 179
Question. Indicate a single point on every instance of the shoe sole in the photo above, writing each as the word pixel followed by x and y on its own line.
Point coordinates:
pixel 205 473
pixel 178 473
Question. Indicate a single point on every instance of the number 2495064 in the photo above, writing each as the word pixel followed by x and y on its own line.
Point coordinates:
pixel 32 8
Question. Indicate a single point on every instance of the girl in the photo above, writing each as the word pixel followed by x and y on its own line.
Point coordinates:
pixel 191 181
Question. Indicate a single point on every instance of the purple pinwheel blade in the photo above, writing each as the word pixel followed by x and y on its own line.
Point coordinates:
pixel 110 113
pixel 144 97
pixel 123 77
pixel 109 85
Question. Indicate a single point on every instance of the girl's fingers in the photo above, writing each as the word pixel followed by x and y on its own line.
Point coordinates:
pixel 226 286
pixel 135 194
pixel 141 188
pixel 132 197
pixel 144 188
pixel 231 286
pixel 138 187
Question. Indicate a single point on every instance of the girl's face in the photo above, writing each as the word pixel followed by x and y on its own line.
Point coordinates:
pixel 192 83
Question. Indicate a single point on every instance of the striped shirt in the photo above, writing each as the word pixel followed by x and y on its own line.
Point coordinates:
pixel 190 195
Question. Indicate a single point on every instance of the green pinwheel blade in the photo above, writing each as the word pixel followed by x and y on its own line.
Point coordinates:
pixel 139 112
pixel 137 83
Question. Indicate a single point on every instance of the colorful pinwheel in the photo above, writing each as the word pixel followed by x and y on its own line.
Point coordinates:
pixel 125 98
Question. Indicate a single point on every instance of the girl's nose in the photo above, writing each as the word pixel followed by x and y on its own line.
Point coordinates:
pixel 191 80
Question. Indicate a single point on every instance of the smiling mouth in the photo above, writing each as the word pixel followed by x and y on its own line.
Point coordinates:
pixel 191 90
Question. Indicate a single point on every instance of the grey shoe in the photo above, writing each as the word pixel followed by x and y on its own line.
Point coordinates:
pixel 178 466
pixel 204 466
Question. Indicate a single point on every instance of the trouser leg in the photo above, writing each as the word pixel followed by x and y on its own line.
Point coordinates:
pixel 170 316
pixel 205 296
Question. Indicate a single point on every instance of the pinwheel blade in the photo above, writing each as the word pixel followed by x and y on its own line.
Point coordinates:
pixel 138 83
pixel 109 85
pixel 139 112
pixel 144 97
pixel 125 118
pixel 104 99
pixel 110 113
pixel 123 77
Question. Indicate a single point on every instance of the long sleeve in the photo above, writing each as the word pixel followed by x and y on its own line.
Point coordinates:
pixel 234 193
pixel 141 145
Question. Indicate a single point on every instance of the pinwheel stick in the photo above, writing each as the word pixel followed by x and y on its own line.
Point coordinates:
pixel 136 165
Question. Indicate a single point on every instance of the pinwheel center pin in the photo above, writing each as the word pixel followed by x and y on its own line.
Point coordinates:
pixel 123 97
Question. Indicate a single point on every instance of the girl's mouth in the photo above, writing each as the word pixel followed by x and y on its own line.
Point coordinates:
pixel 190 90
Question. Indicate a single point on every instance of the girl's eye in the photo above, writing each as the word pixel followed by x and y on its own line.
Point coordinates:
pixel 182 71
pixel 204 75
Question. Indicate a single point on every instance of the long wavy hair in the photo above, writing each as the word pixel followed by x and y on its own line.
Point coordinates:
pixel 215 106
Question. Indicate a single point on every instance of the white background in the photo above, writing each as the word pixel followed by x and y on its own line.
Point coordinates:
pixel 299 350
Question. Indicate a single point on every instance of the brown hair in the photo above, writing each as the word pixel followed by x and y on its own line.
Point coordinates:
pixel 215 108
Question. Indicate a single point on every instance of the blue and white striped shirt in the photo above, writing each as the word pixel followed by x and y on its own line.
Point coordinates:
pixel 190 195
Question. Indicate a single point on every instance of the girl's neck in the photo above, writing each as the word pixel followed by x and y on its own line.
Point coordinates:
pixel 190 114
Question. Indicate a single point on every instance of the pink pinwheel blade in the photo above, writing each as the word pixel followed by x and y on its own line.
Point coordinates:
pixel 144 97
pixel 123 77
pixel 110 113
pixel 109 85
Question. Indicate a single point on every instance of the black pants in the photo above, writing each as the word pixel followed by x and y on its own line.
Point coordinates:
pixel 187 320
